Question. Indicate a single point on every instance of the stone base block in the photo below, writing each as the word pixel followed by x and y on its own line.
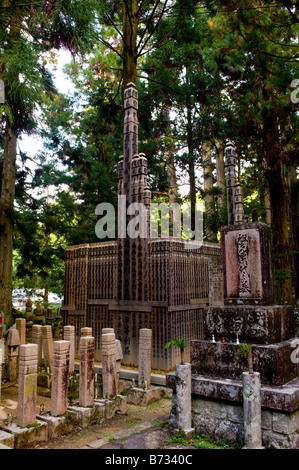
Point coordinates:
pixel 114 405
pixel 254 324
pixel 89 416
pixel 255 448
pixel 7 439
pixel 282 398
pixel 25 437
pixel 3 446
pixel 219 360
pixel 60 425
pixel 188 433
pixel 143 397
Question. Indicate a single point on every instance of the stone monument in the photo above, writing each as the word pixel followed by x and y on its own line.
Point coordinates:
pixel 247 316
pixel 159 283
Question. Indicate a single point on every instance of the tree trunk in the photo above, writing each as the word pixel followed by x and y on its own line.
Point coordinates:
pixel 220 173
pixel 294 231
pixel 279 215
pixel 130 24
pixel 191 161
pixel 7 196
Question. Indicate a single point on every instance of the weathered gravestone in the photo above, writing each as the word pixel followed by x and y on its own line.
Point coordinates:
pixel 86 384
pixel 27 390
pixel 60 377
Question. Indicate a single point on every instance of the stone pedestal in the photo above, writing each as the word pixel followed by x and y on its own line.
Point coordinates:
pixel 86 386
pixel 217 410
pixel 183 394
pixel 59 392
pixel 22 437
pixel 60 425
pixel 69 335
pixel 27 391
pixel 222 360
pixel 252 410
pixel 144 397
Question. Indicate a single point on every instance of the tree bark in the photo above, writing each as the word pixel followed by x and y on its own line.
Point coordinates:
pixel 130 24
pixel 294 233
pixel 191 161
pixel 7 196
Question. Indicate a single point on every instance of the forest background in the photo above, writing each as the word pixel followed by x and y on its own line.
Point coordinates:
pixel 206 72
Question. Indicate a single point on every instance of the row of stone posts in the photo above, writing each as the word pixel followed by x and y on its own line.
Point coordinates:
pixel 59 355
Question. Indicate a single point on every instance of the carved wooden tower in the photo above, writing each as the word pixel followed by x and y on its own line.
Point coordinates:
pixel 135 283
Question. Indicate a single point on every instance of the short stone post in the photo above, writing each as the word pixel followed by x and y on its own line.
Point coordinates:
pixel 21 327
pixel 86 381
pixel 252 410
pixel 118 357
pixel 13 344
pixel 86 331
pixel 27 393
pixel 69 335
pixel 60 377
pixel 109 365
pixel 47 345
pixel 183 395
pixel 145 357
pixel 37 339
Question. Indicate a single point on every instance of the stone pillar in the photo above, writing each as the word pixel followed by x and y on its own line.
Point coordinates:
pixel 1 358
pixel 13 344
pixel 69 335
pixel 183 394
pixel 86 381
pixel 29 320
pixel 252 410
pixel 86 331
pixel 37 339
pixel 118 357
pixel 60 376
pixel 145 356
pixel 47 345
pixel 109 365
pixel 27 392
pixel 21 327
